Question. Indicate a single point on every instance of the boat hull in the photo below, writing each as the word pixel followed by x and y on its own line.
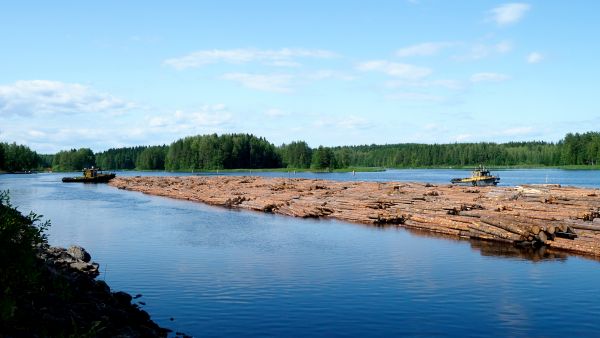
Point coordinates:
pixel 104 178
pixel 481 182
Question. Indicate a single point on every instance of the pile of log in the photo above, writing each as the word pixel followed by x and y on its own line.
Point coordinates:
pixel 564 218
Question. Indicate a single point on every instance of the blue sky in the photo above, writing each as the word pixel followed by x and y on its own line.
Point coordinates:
pixel 114 73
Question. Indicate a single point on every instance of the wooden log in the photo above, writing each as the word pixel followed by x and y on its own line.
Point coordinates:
pixel 439 221
pixel 520 230
pixel 474 233
pixel 430 227
pixel 542 237
pixel 575 225
pixel 495 231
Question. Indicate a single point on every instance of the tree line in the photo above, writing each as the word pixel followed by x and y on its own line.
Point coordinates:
pixel 228 151
pixel 246 151
pixel 15 157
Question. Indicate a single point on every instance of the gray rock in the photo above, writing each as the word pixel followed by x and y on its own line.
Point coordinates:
pixel 79 253
pixel 81 266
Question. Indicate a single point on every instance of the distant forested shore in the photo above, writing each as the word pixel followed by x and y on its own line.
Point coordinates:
pixel 245 151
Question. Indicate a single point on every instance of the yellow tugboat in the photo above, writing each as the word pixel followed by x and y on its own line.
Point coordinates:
pixel 92 175
pixel 479 177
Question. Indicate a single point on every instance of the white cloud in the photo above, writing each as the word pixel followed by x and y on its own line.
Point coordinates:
pixel 354 122
pixel 159 121
pixel 447 84
pixel 35 97
pixel 36 133
pixel 325 74
pixel 283 57
pixel 423 49
pixel 502 47
pixel 463 137
pixel 481 50
pixel 509 13
pixel 435 128
pixel 488 77
pixel 207 118
pixel 279 83
pixel 534 57
pixel 284 63
pixel 402 70
pixel 275 112
pixel 415 96
pixel 283 82
pixel 515 131
pixel 104 131
pixel 351 122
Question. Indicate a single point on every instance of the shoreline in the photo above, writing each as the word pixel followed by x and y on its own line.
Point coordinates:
pixel 339 170
pixel 53 292
pixel 72 302
pixel 561 218
pixel 91 305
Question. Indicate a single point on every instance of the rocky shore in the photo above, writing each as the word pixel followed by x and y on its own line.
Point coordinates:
pixel 549 216
pixel 73 303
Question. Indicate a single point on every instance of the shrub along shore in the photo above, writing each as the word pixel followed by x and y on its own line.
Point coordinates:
pixel 549 216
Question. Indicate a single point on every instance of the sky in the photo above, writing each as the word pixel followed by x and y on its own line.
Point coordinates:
pixel 105 74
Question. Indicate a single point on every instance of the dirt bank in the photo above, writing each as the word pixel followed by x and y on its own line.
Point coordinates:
pixel 563 218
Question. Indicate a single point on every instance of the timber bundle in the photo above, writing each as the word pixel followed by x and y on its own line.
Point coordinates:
pixel 564 218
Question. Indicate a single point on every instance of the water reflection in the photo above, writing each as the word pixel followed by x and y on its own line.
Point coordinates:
pixel 508 250
pixel 501 249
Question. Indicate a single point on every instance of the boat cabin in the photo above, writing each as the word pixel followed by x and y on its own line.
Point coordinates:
pixel 481 171
pixel 91 172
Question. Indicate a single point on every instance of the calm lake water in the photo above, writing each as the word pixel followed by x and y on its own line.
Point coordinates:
pixel 220 272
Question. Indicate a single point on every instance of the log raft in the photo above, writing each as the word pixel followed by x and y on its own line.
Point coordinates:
pixel 563 218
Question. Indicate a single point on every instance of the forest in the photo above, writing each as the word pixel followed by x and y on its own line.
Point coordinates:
pixel 15 157
pixel 246 151
pixel 228 151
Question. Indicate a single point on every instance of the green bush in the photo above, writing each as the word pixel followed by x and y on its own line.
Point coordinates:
pixel 20 237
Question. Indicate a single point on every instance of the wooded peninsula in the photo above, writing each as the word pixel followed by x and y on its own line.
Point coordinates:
pixel 246 151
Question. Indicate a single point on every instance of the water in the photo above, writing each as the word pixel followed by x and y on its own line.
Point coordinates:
pixel 220 272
